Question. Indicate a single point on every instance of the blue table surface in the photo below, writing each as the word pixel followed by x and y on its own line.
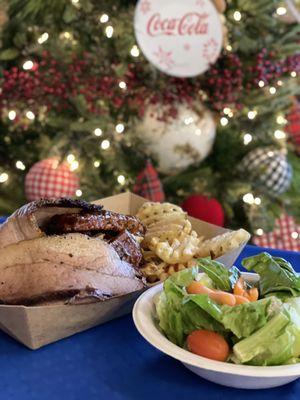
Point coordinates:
pixel 113 361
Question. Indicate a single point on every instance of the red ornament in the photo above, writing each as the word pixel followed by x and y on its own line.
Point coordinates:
pixel 286 235
pixel 50 178
pixel 204 208
pixel 148 184
pixel 293 127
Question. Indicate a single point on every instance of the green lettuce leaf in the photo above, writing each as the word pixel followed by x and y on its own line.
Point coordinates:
pixel 276 274
pixel 222 278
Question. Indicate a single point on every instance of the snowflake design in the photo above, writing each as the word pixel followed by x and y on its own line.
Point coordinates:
pixel 210 50
pixel 164 57
pixel 145 6
pixel 187 47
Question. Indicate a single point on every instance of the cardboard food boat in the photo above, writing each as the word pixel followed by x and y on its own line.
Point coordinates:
pixel 36 326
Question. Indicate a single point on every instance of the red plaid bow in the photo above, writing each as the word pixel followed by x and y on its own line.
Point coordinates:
pixel 148 184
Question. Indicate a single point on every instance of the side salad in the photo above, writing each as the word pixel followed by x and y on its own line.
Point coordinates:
pixel 213 312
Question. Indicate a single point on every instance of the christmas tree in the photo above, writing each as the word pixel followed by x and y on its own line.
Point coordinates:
pixel 77 89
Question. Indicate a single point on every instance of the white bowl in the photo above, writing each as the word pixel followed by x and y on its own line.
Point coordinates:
pixel 232 375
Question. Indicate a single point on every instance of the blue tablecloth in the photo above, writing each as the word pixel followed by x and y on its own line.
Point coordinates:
pixel 114 362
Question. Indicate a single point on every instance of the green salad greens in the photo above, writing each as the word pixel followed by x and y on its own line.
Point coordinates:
pixel 263 331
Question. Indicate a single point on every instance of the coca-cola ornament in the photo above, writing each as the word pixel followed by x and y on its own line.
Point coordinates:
pixel 181 38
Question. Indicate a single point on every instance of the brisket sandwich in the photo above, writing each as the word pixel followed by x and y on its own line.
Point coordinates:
pixel 68 249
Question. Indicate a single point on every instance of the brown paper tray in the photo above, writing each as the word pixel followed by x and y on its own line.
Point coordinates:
pixel 37 326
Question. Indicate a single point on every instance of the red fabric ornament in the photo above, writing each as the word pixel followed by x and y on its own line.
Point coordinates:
pixel 286 235
pixel 204 208
pixel 293 127
pixel 148 184
pixel 50 178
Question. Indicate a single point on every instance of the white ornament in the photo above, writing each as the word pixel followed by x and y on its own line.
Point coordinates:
pixel 179 142
pixel 180 37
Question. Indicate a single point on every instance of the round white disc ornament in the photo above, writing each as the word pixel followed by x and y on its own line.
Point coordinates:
pixel 180 37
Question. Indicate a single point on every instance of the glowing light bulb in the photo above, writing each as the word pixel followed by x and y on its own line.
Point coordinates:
pixel 247 138
pixel 75 1
pixel 122 85
pixel 70 158
pixel 43 38
pixel 281 120
pixel 12 115
pixel 109 31
pixel 279 83
pixel 229 47
pixel 295 235
pixel 198 132
pixel 97 164
pixel 121 179
pixel 272 90
pixel 248 198
pixel 20 165
pixel 227 110
pixel 67 35
pixel 261 83
pixel 252 114
pixel 188 120
pixel 104 18
pixel 98 132
pixel 135 52
pixel 224 121
pixel 3 177
pixel 28 65
pixel 30 115
pixel 257 201
pixel 270 153
pixel 237 16
pixel 105 144
pixel 293 74
pixel 281 11
pixel 119 128
pixel 78 193
pixel 279 134
pixel 74 165
pixel 259 232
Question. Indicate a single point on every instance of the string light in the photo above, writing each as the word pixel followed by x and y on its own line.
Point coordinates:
pixel 122 85
pixel 247 138
pixel 224 121
pixel 30 115
pixel 70 158
pixel 281 11
pixel 3 177
pixel 98 132
pixel 105 144
pixel 272 90
pixel 135 52
pixel 257 201
pixel 43 38
pixel 279 83
pixel 97 164
pixel 270 153
pixel 229 47
pixel 74 165
pixel 104 18
pixel 295 235
pixel 67 35
pixel 78 193
pixel 119 128
pixel 121 179
pixel 259 232
pixel 281 120
pixel 188 120
pixel 198 132
pixel 75 2
pixel 226 110
pixel 293 74
pixel 28 65
pixel 109 31
pixel 237 16
pixel 279 134
pixel 12 115
pixel 20 165
pixel 248 198
pixel 261 83
pixel 252 114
